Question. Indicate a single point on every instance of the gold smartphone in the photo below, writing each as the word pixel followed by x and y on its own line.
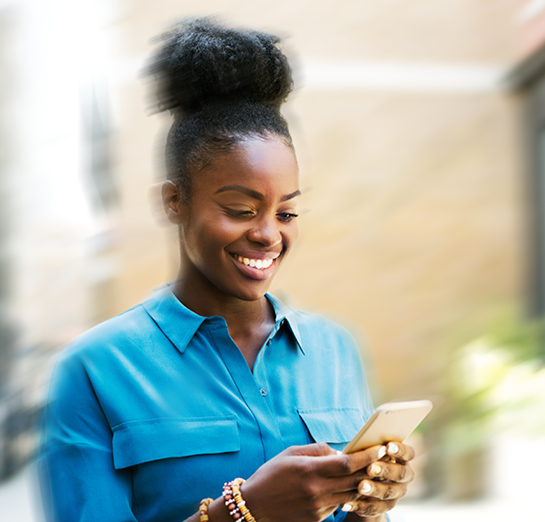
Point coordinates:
pixel 391 422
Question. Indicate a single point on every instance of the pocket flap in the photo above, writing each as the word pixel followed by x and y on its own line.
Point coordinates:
pixel 136 442
pixel 333 425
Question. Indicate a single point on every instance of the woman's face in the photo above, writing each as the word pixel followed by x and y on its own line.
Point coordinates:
pixel 241 221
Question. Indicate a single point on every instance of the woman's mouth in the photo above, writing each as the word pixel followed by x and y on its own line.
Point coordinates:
pixel 260 264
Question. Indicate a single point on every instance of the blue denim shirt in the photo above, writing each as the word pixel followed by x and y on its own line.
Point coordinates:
pixel 156 408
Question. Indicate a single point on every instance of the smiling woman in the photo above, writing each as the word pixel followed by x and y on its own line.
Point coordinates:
pixel 158 410
pixel 235 231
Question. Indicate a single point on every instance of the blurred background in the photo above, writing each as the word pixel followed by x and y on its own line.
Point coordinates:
pixel 419 131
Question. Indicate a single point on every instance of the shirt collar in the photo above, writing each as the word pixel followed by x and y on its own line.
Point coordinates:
pixel 164 306
pixel 174 319
pixel 286 314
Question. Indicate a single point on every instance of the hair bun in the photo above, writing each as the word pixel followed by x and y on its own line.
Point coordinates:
pixel 201 62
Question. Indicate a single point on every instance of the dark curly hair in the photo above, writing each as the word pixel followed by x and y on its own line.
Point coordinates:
pixel 222 87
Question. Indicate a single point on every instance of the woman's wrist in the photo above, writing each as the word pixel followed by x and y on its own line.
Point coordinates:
pixel 217 512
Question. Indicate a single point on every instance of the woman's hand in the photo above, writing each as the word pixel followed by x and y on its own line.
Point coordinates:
pixel 308 483
pixel 385 483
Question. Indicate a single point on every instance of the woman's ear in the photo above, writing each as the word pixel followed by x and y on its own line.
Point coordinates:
pixel 173 203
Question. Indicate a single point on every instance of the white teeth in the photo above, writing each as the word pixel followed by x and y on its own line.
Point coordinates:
pixel 260 264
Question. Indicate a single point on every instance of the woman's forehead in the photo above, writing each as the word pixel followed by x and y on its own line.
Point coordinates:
pixel 254 163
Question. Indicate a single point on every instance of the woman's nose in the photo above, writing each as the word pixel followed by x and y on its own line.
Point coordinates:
pixel 266 232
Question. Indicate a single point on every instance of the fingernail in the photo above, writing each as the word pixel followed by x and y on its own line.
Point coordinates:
pixel 374 469
pixel 365 488
pixel 346 507
pixel 392 448
pixel 381 452
pixel 339 452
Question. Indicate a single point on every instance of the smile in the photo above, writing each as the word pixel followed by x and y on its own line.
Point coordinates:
pixel 260 264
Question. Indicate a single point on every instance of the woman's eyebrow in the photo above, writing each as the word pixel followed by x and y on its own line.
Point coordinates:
pixel 245 190
pixel 291 196
pixel 254 194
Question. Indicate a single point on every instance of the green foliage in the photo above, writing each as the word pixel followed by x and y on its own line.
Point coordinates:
pixel 495 383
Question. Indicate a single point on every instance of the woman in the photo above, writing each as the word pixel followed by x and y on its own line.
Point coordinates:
pixel 212 378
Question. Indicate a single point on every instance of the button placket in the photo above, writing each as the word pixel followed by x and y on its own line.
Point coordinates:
pixel 260 372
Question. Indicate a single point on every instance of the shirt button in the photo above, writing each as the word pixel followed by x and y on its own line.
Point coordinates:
pixel 264 392
pixel 269 342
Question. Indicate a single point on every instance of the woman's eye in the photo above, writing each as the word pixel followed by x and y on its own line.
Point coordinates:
pixel 286 216
pixel 240 213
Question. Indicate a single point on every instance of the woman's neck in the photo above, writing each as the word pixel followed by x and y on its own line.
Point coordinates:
pixel 207 300
pixel 249 322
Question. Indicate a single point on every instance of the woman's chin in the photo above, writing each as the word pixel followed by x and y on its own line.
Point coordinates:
pixel 252 290
pixel 253 294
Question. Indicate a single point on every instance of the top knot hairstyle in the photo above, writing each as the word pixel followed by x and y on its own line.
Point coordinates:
pixel 222 86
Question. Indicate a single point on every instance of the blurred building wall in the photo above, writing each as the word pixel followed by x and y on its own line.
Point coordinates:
pixel 8 22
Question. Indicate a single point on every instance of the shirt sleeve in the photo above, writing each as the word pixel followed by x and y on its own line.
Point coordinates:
pixel 341 515
pixel 78 480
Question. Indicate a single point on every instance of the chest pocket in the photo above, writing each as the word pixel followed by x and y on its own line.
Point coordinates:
pixel 137 442
pixel 336 426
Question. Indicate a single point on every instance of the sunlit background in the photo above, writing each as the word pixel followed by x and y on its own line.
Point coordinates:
pixel 419 131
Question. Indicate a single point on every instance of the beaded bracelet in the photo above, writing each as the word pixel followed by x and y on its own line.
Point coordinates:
pixel 230 503
pixel 241 504
pixel 203 509
pixel 234 501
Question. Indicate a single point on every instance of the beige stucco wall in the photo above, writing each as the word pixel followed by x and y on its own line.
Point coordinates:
pixel 415 229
